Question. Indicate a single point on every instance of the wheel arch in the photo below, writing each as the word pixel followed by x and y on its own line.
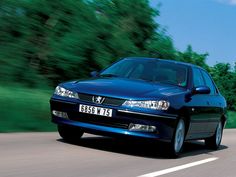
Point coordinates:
pixel 223 119
pixel 184 114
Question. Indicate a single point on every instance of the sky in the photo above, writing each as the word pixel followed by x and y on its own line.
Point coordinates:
pixel 209 26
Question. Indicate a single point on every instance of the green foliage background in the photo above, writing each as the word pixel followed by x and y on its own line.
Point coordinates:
pixel 44 42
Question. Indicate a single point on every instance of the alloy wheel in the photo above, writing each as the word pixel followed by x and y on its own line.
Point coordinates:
pixel 179 136
pixel 219 133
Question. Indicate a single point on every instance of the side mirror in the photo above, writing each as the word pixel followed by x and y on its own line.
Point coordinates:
pixel 94 74
pixel 201 90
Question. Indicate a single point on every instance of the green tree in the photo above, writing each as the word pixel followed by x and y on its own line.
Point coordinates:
pixel 193 57
pixel 161 46
pixel 226 82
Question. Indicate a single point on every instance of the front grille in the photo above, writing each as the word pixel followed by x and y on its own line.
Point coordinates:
pixel 107 101
pixel 99 120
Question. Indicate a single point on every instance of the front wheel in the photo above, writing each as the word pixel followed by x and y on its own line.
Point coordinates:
pixel 177 141
pixel 70 134
pixel 214 141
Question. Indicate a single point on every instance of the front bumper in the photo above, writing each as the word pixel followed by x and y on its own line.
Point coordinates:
pixel 117 125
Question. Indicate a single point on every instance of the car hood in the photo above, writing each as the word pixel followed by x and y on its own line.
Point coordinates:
pixel 123 88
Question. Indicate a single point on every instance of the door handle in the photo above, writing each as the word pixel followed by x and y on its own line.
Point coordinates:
pixel 208 103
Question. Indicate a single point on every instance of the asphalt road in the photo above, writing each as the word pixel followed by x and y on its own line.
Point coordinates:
pixel 47 155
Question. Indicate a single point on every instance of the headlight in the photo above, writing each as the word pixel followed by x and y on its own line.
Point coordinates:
pixel 158 105
pixel 64 92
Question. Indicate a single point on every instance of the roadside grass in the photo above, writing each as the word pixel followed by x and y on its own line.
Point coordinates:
pixel 231 122
pixel 23 109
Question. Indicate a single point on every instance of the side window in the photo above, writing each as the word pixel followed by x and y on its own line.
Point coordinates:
pixel 208 82
pixel 197 78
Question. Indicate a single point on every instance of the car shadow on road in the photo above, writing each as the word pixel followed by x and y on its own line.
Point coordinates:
pixel 142 148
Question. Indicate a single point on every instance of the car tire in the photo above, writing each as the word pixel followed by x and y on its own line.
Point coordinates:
pixel 177 142
pixel 214 141
pixel 70 134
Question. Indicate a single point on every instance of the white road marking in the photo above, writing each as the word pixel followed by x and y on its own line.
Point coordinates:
pixel 177 168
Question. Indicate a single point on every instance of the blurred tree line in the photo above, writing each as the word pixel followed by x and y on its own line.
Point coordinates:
pixel 44 42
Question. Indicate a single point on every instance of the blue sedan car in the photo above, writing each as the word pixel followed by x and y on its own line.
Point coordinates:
pixel 148 98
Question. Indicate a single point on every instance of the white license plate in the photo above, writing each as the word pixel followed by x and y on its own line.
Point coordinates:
pixel 95 110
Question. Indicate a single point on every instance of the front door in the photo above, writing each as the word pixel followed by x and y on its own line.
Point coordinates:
pixel 199 108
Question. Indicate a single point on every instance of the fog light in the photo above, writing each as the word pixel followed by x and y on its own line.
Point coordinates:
pixel 60 114
pixel 140 127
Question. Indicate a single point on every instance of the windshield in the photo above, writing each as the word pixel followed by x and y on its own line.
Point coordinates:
pixel 149 70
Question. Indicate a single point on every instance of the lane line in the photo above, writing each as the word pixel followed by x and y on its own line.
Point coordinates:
pixel 177 168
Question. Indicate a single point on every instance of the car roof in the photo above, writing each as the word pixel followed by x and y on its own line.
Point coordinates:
pixel 167 60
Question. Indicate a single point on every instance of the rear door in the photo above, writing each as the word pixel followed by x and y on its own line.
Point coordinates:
pixel 214 105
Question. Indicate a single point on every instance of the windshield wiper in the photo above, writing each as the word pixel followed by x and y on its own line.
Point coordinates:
pixel 108 75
